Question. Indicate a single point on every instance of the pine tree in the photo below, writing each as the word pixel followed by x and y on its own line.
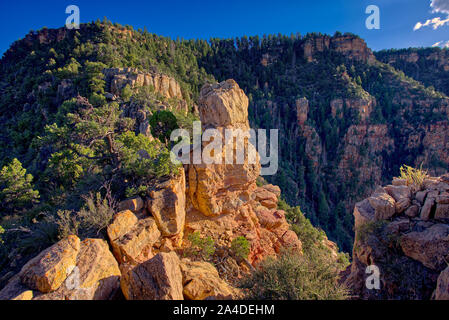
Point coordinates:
pixel 16 189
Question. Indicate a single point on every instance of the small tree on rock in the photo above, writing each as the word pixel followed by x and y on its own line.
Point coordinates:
pixel 16 189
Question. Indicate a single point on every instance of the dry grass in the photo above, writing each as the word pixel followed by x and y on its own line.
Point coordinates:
pixel 414 177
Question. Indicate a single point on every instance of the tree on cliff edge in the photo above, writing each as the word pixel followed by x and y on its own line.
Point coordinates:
pixel 16 189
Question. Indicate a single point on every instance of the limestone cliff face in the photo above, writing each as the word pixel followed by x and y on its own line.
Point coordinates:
pixel 428 65
pixel 404 231
pixel 362 148
pixel 350 46
pixel 440 58
pixel 163 84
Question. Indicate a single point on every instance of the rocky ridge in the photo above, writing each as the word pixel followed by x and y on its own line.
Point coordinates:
pixel 352 47
pixel 403 230
pixel 148 236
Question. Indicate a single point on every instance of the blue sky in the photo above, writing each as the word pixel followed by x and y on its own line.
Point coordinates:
pixel 229 18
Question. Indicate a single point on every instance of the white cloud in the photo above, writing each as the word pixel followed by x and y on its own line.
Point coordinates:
pixel 435 23
pixel 442 44
pixel 438 6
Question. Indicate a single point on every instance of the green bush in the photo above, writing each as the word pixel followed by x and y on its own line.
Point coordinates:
pixel 138 191
pixel 202 247
pixel 374 228
pixel 2 231
pixel 97 213
pixel 307 233
pixel 90 221
pixel 240 247
pixel 67 222
pixel 162 124
pixel 296 277
pixel 143 158
pixel 16 189
pixel 126 93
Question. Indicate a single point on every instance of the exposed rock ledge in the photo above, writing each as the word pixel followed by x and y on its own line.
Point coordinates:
pixel 120 77
pixel 404 231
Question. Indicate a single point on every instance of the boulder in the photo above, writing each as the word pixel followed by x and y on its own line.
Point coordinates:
pixel 273 189
pixel 402 195
pixel 269 204
pixel 442 211
pixel 262 194
pixel 93 275
pixel 443 198
pixel 159 278
pixel 122 223
pixel 270 219
pixel 421 196
pixel 134 205
pixel 167 205
pixel 96 275
pixel 25 296
pixel 223 105
pixel 430 246
pixel 412 211
pixel 398 226
pixel 383 204
pixel 442 290
pixel 49 269
pixel 426 210
pixel 136 245
pixel 290 240
pixel 15 290
pixel 399 182
pixel 398 192
pixel 201 281
pixel 363 213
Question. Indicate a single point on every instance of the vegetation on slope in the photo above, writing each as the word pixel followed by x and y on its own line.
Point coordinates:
pixel 84 153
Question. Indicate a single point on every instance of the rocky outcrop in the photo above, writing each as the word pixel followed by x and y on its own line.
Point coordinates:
pixel 223 105
pixel 362 149
pixel 69 270
pixel 222 188
pixel 159 278
pixel 224 198
pixel 442 291
pixel 302 110
pixel 397 230
pixel 50 268
pixel 350 46
pixel 362 106
pixel 149 233
pixel 201 281
pixel 429 66
pixel 430 246
pixel 132 239
pixel 167 205
pixel 118 78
